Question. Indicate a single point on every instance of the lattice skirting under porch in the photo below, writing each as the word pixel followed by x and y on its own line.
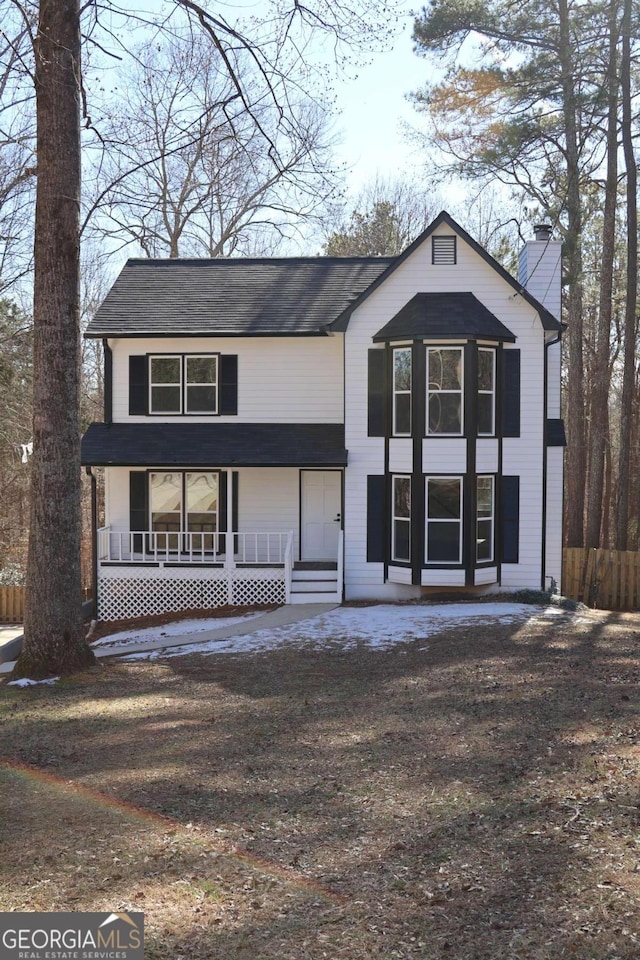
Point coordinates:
pixel 146 593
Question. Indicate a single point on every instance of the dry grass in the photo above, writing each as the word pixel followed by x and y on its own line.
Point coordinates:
pixel 469 796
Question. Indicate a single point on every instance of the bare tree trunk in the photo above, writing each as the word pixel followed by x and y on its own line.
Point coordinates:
pixel 576 440
pixel 599 386
pixel 53 620
pixel 628 377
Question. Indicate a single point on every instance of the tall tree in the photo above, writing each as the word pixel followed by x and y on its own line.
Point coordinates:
pixel 630 321
pixel 187 172
pixel 388 214
pixel 538 111
pixel 53 626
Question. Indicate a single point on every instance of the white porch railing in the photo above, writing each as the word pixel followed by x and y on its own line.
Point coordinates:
pixel 255 549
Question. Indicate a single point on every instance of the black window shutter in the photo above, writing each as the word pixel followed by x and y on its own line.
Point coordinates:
pixel 376 524
pixel 138 385
pixel 108 382
pixel 510 519
pixel 138 505
pixel 376 398
pixel 229 385
pixel 511 394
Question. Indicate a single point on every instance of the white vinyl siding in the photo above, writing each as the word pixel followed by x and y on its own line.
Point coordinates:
pixel 280 379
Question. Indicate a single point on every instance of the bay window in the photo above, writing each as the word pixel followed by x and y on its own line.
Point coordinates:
pixel 486 391
pixel 485 510
pixel 401 519
pixel 443 520
pixel 402 391
pixel 444 390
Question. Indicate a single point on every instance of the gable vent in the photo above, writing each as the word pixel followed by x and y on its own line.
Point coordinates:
pixel 443 250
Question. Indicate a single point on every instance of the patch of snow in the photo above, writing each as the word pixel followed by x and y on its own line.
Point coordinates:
pixel 179 628
pixel 25 682
pixel 376 627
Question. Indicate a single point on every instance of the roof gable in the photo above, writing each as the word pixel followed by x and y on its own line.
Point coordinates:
pixel 549 322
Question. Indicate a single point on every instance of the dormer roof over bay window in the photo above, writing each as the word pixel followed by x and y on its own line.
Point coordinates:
pixel 444 316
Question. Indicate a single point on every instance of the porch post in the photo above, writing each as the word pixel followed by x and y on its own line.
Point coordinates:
pixel 229 560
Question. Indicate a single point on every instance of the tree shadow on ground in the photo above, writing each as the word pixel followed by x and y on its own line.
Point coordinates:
pixel 472 793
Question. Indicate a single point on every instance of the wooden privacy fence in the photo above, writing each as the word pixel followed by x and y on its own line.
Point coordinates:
pixel 607 579
pixel 11 604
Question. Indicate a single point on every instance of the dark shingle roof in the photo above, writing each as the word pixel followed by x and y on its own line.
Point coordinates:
pixel 214 445
pixel 448 315
pixel 232 297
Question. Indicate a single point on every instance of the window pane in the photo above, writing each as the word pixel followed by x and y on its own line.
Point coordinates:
pixel 401 530
pixel 165 521
pixel 445 369
pixel 443 542
pixel 202 523
pixel 402 369
pixel 445 413
pixel 485 369
pixel 403 413
pixel 165 369
pixel 166 492
pixel 201 399
pixel 165 399
pixel 485 413
pixel 202 492
pixel 484 549
pixel 202 369
pixel 485 496
pixel 402 497
pixel 443 500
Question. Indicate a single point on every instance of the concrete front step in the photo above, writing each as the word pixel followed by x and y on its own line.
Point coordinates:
pixel 298 576
pixel 330 598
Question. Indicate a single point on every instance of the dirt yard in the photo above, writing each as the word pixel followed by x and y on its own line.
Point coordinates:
pixel 471 795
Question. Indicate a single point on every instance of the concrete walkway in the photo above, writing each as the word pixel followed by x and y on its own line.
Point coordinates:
pixel 270 620
pixel 10 641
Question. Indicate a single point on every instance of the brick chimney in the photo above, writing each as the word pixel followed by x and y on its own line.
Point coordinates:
pixel 540 268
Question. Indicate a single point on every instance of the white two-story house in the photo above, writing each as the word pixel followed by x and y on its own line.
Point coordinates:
pixel 289 430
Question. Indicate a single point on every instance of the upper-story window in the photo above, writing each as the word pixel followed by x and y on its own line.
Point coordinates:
pixel 444 390
pixel 402 392
pixel 486 391
pixel 186 384
pixel 165 384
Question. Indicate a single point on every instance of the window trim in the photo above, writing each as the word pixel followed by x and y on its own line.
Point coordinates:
pixel 459 521
pixel 478 561
pixel 187 384
pixel 491 393
pixel 394 519
pixel 183 411
pixel 164 356
pixel 460 392
pixel 184 512
pixel 396 393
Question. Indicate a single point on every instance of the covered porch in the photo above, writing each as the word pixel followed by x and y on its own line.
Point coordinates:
pixel 185 532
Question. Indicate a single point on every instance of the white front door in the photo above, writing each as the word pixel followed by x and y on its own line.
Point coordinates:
pixel 320 514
